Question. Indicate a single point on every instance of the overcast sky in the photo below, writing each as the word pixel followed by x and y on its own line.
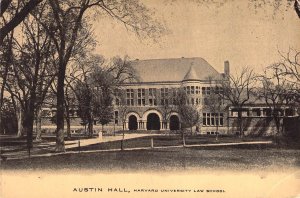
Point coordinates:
pixel 233 32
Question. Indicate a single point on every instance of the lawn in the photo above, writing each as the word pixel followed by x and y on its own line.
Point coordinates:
pixel 170 159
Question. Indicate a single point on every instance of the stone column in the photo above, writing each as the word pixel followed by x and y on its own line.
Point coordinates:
pixel 143 124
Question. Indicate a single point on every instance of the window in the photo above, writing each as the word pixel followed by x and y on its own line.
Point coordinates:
pixel 116 117
pixel 256 112
pixel 188 90
pixel 152 97
pixel 197 91
pixel 203 91
pixel 221 119
pixel 192 89
pixel 207 90
pixel 164 96
pixel 213 119
pixel 141 97
pixel 243 112
pixel 208 119
pixel 129 97
pixel 267 112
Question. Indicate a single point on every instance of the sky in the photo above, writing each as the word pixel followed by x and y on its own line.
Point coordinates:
pixel 235 32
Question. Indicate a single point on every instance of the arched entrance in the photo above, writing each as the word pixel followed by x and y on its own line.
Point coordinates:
pixel 174 122
pixel 153 122
pixel 132 122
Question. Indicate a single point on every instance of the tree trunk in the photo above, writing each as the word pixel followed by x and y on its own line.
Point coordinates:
pixel 20 122
pixel 91 128
pixel 38 124
pixel 28 127
pixel 67 117
pixel 60 142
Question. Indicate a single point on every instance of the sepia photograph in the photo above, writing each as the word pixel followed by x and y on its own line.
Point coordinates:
pixel 150 98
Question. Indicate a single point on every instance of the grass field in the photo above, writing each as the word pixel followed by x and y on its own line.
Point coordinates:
pixel 172 159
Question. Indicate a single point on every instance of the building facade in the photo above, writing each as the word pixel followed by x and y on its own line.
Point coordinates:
pixel 148 102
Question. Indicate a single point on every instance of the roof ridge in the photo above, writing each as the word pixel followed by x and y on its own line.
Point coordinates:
pixel 181 58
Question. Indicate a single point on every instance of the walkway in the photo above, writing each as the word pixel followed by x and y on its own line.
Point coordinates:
pixel 47 148
pixel 86 142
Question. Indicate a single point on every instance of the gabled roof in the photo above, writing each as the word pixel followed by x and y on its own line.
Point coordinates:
pixel 174 69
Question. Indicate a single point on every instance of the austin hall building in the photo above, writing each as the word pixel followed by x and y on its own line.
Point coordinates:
pixel 146 100
pixel 147 103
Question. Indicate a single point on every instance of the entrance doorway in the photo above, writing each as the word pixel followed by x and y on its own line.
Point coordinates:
pixel 153 122
pixel 174 122
pixel 132 124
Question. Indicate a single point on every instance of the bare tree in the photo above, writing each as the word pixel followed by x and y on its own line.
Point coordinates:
pixel 66 20
pixel 215 103
pixel 6 57
pixel 237 91
pixel 30 71
pixel 21 11
pixel 276 92
pixel 188 112
pixel 289 69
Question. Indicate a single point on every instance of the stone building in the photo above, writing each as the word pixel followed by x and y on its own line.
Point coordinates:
pixel 149 104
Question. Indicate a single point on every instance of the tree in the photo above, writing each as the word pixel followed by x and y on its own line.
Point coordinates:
pixel 103 110
pixel 215 103
pixel 188 113
pixel 32 71
pixel 6 57
pixel 21 11
pixel 289 69
pixel 65 20
pixel 8 117
pixel 168 103
pixel 189 116
pixel 237 89
pixel 276 92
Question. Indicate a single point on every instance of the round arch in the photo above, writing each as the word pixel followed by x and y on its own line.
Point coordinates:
pixel 174 122
pixel 132 122
pixel 153 122
pixel 176 114
pixel 146 113
pixel 133 113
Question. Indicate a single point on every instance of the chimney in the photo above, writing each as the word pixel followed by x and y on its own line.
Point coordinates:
pixel 226 68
